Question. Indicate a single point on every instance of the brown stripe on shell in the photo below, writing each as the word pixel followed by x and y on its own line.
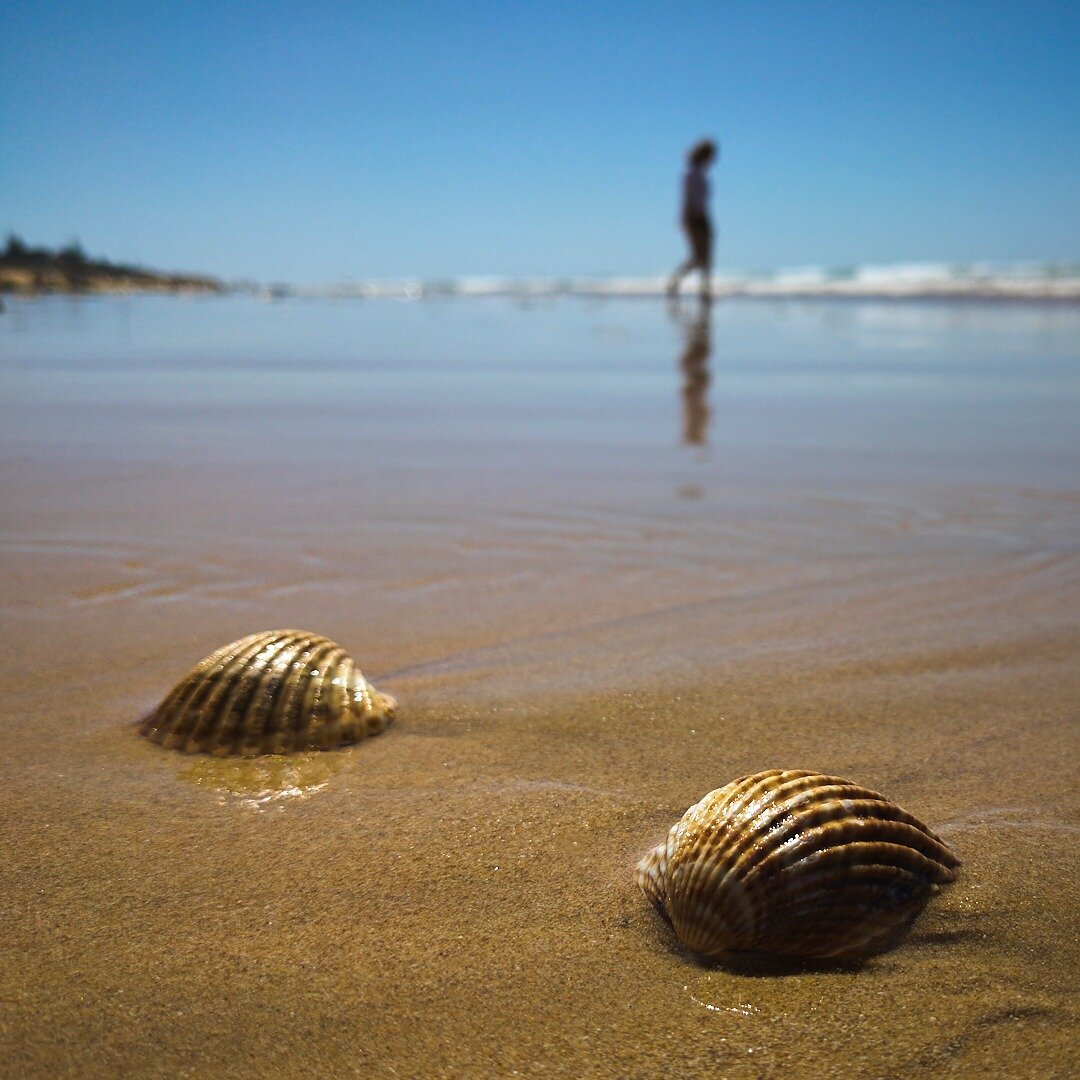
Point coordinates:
pixel 177 715
pixel 191 713
pixel 725 838
pixel 282 720
pixel 263 723
pixel 308 712
pixel 221 729
pixel 274 692
pixel 212 729
pixel 794 862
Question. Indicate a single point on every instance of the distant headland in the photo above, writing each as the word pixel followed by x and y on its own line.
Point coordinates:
pixel 33 270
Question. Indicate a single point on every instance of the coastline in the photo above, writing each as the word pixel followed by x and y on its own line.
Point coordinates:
pixel 52 282
pixel 1017 285
pixel 38 272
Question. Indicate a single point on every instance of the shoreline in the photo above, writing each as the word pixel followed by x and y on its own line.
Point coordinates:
pixel 34 283
pixel 1036 288
pixel 1025 290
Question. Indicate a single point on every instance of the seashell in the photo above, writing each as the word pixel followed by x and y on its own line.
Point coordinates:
pixel 270 693
pixel 794 863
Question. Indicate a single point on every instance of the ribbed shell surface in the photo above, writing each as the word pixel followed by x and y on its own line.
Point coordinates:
pixel 270 693
pixel 794 863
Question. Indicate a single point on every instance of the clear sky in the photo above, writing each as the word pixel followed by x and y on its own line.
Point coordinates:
pixel 330 141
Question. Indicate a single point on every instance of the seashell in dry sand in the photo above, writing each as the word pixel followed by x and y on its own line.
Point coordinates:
pixel 794 863
pixel 270 693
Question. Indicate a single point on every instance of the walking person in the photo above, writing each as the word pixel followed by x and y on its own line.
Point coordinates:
pixel 695 216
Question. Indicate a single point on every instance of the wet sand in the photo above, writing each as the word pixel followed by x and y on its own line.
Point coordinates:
pixel 586 635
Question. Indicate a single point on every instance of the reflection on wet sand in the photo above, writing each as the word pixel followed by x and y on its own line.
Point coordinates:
pixel 266 781
pixel 694 363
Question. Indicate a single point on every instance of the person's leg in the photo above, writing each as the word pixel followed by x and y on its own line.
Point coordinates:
pixel 690 228
pixel 704 252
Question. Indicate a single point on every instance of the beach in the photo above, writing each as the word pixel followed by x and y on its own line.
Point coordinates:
pixel 608 557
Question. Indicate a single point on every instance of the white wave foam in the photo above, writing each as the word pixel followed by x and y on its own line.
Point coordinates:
pixel 930 280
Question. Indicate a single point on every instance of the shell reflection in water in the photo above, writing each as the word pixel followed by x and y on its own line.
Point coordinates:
pixel 794 863
pixel 271 693
pixel 270 781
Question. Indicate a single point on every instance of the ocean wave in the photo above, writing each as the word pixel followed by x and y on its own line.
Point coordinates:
pixel 1048 280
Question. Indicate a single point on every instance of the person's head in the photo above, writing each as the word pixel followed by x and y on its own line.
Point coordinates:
pixel 702 153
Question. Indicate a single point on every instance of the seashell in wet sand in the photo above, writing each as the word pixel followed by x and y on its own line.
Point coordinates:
pixel 794 863
pixel 270 693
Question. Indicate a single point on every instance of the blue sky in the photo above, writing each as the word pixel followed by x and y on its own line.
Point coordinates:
pixel 331 141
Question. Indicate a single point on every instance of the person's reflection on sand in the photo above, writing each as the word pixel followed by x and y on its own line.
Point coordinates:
pixel 694 363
